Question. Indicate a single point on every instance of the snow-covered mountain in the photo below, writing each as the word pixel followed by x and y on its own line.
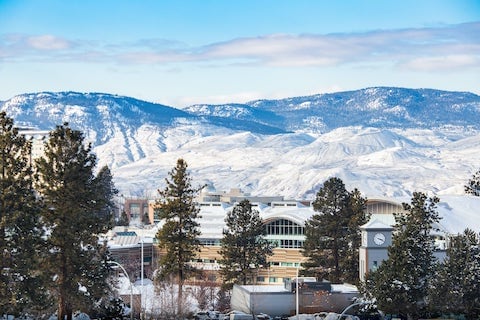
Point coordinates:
pixel 387 142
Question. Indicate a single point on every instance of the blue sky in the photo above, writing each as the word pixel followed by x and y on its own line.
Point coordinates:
pixel 203 51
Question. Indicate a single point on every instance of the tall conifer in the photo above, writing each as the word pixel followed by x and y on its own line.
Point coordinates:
pixel 244 248
pixel 455 289
pixel 401 282
pixel 179 233
pixel 77 204
pixel 21 287
pixel 332 235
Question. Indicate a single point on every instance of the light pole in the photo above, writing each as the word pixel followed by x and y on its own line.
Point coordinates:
pixel 141 276
pixel 349 307
pixel 296 291
pixel 131 287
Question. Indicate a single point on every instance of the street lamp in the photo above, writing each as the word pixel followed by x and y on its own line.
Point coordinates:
pixel 296 291
pixel 131 287
pixel 349 307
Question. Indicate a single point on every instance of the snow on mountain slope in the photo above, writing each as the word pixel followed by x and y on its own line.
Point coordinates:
pixel 381 107
pixel 387 142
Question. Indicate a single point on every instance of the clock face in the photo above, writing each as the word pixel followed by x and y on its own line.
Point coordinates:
pixel 379 239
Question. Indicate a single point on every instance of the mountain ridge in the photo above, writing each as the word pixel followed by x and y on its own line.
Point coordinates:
pixel 388 141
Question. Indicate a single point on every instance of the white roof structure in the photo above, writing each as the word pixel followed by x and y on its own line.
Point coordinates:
pixel 213 214
pixel 457 213
pixel 375 224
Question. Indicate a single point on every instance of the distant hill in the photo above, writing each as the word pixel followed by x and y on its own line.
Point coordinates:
pixel 385 141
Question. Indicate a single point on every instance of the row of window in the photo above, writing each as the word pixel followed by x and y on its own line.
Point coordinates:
pixel 287 243
pixel 273 263
pixel 272 279
pixel 284 227
pixel 277 227
pixel 282 243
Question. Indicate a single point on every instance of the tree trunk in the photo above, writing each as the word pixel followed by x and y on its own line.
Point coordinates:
pixel 69 312
pixel 61 308
pixel 180 297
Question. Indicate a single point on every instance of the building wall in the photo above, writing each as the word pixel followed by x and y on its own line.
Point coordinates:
pixel 278 302
pixel 272 303
pixel 136 209
pixel 284 262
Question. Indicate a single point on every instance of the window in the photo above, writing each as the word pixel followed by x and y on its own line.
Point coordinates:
pixel 209 242
pixel 272 279
pixel 284 227
pixel 134 210
pixel 260 279
pixel 291 244
pixel 286 264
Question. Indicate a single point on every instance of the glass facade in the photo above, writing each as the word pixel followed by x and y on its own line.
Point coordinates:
pixel 285 234
pixel 284 227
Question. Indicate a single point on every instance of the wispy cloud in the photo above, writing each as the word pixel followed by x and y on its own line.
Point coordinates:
pixel 427 49
pixel 47 42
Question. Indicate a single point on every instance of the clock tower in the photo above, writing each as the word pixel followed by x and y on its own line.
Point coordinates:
pixel 376 238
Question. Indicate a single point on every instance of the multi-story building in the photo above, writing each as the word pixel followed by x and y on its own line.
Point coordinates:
pixel 137 210
pixel 284 225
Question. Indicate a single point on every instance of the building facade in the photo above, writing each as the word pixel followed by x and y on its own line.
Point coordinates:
pixel 284 222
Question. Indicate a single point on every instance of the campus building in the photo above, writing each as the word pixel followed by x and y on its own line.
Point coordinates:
pixel 284 225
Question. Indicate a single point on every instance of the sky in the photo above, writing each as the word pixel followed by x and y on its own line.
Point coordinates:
pixel 188 52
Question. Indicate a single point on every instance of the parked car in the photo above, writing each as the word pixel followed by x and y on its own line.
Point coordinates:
pixel 201 315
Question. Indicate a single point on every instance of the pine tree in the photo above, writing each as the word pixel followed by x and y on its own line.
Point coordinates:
pixel 473 185
pixel 357 217
pixel 123 220
pixel 332 236
pixel 179 233
pixel 77 207
pixel 21 284
pixel 244 248
pixel 456 287
pixel 106 191
pixel 401 282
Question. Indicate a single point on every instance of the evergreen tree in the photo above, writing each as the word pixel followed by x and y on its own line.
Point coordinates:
pixel 473 185
pixel 106 193
pixel 456 287
pixel 77 210
pixel 244 248
pixel 179 233
pixel 123 221
pixel 401 282
pixel 21 285
pixel 357 217
pixel 332 236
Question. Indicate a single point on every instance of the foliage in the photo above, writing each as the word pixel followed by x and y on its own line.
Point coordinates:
pixel 332 236
pixel 110 309
pixel 473 185
pixel 106 192
pixel 77 208
pixel 123 220
pixel 178 235
pixel 244 248
pixel 456 287
pixel 223 300
pixel 21 283
pixel 401 282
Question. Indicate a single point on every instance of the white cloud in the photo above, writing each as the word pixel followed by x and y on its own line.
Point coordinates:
pixel 427 49
pixel 47 42
pixel 442 63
